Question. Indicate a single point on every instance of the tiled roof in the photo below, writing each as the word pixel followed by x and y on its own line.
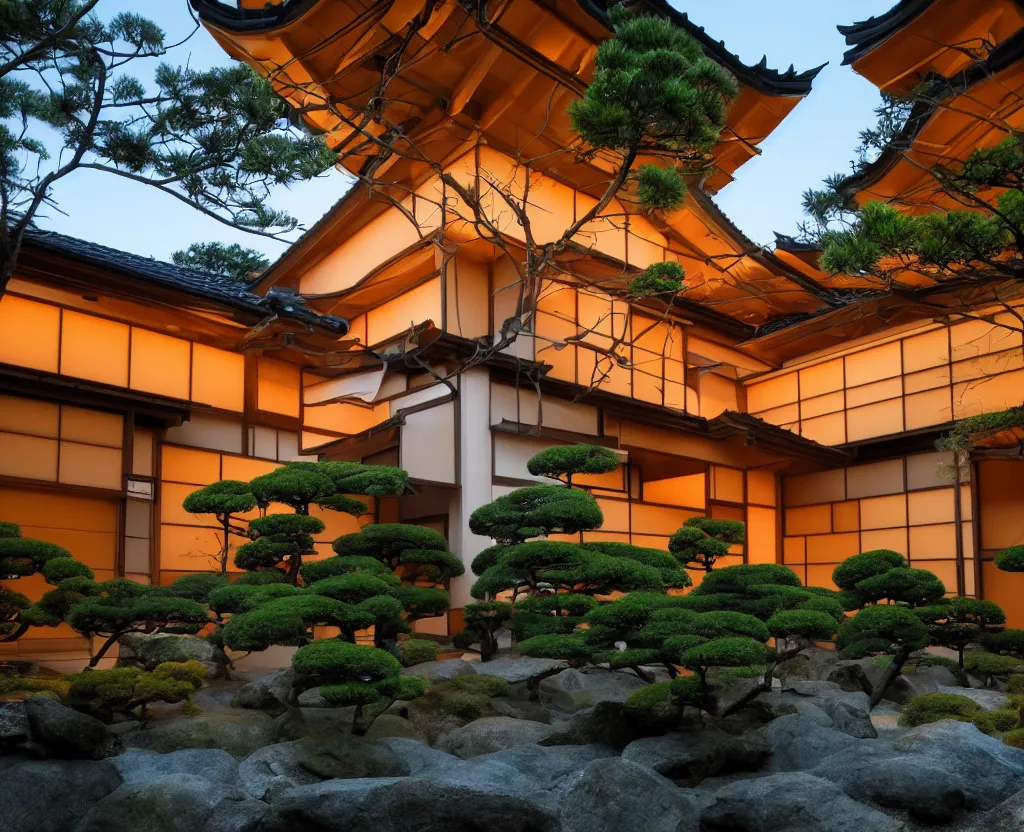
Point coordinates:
pixel 220 290
pixel 864 36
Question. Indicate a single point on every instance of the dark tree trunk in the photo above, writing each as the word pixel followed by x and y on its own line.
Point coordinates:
pixel 95 660
pixel 891 672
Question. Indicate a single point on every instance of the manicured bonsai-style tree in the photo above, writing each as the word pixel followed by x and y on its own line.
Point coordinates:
pixel 223 500
pixel 353 674
pixel 123 690
pixel 21 557
pixel 883 629
pixel 703 540
pixel 956 623
pixel 484 620
pixel 280 543
pixel 563 462
pixel 115 608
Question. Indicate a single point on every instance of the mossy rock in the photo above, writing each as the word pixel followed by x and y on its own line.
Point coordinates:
pixel 238 734
pixel 933 707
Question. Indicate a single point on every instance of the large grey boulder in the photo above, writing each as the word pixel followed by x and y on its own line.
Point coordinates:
pixel 520 670
pixel 138 766
pixel 571 690
pixel 613 724
pixel 793 802
pixel 174 803
pixel 493 733
pixel 850 711
pixel 441 671
pixel 58 731
pixel 991 771
pixel 612 795
pixel 148 650
pixel 296 723
pixel 798 743
pixel 52 795
pixel 390 725
pixel 403 805
pixel 520 707
pixel 928 790
pixel 269 771
pixel 269 692
pixel 239 734
pixel 690 756
pixel 1008 816
pixel 14 728
pixel 547 766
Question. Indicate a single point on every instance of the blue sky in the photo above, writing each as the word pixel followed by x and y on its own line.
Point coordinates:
pixel 818 138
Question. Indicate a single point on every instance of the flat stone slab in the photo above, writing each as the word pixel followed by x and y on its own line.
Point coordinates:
pixel 514 671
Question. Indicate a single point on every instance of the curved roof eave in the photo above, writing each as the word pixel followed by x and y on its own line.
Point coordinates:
pixel 759 77
pixel 867 34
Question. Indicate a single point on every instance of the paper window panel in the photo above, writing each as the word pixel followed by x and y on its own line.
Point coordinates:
pixel 822 405
pixel 826 430
pixel 782 416
pixel 929 408
pixel 809 520
pixel 846 516
pixel 1006 589
pixel 999 495
pixel 944 570
pixel 91 426
pixel 726 484
pixel 761 487
pixel 878 391
pixel 186 465
pixel 660 520
pixel 894 539
pixel 648 388
pixel 717 395
pixel 794 550
pixel 688 491
pixel 882 419
pixel 94 348
pixel 988 365
pixel 90 465
pixel 832 548
pixel 160 364
pixel 172 495
pixel 243 468
pixel 28 457
pixel 819 487
pixel 772 394
pixel 190 549
pixel 928 470
pixel 279 387
pixel 616 515
pixel 344 417
pixel 928 507
pixel 820 379
pixel 930 349
pixel 29 416
pixel 989 395
pixel 614 537
pixel 611 480
pixel 875 479
pixel 873 364
pixel 932 542
pixel 927 380
pixel 142 452
pixel 967 539
pixel 218 378
pixel 761 538
pixel 651 541
pixel 31 334
pixel 970 583
pixel 821 576
pixel 883 512
pixel 971 339
pixel 966 503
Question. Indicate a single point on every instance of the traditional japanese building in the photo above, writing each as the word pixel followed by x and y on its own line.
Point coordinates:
pixel 803 404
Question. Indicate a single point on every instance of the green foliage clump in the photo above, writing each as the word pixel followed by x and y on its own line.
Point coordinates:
pixel 932 707
pixel 318 570
pixel 808 624
pixel 879 629
pixel 104 693
pixel 857 568
pixel 997 722
pixel 649 697
pixel 1015 684
pixel 9 529
pixel 957 622
pixel 570 648
pixel 657 280
pixel 198 586
pixel 1015 738
pixel 1012 559
pixel 536 511
pixel 987 665
pixel 660 187
pixel 966 432
pixel 483 622
pixel 1009 641
pixel 234 261
pixel 465 697
pixel 565 461
pixel 221 499
pixel 673 575
pixel 418 650
pixel 347 674
pixel 702 541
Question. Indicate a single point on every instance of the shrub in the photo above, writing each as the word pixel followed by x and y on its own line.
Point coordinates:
pixel 1011 560
pixel 346 674
pixel 932 707
pixel 417 651
pixel 1014 738
pixel 571 648
pixel 1009 641
pixel 1015 684
pixel 649 697
pixel 874 629
pixel 809 624
pixel 123 689
pixel 466 697
pixel 997 722
pixel 564 461
pixel 857 568
pixel 702 540
pixel 983 663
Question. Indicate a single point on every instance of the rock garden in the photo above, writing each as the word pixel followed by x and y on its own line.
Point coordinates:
pixel 593 687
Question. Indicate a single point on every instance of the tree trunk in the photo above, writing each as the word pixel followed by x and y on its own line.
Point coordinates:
pixel 227 547
pixel 359 724
pixel 22 629
pixel 95 660
pixel 891 672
